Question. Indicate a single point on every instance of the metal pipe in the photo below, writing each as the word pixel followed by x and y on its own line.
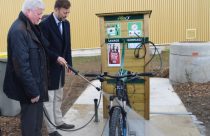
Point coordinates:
pixel 96 110
pixel 89 82
pixel 77 73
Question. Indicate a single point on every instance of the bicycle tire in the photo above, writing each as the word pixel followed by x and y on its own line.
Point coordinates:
pixel 116 123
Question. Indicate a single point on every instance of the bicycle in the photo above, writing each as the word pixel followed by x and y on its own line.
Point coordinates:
pixel 117 123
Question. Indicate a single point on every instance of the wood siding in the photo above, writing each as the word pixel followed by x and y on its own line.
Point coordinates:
pixel 170 21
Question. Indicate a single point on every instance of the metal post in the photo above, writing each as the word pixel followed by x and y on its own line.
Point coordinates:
pixel 96 110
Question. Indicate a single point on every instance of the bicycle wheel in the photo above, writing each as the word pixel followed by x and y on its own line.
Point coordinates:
pixel 116 123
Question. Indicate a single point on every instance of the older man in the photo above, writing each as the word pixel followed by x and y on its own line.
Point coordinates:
pixel 26 72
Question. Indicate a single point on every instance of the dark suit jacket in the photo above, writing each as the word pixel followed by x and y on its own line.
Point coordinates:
pixel 26 72
pixel 60 45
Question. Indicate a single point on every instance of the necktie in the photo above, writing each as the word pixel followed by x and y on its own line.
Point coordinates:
pixel 60 27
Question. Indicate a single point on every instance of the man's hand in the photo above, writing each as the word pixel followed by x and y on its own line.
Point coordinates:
pixel 69 72
pixel 36 99
pixel 62 61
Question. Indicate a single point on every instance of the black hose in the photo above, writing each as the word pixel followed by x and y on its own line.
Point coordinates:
pixel 156 50
pixel 137 51
pixel 154 56
pixel 76 128
pixel 76 73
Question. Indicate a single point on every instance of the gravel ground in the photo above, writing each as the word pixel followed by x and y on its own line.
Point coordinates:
pixel 196 98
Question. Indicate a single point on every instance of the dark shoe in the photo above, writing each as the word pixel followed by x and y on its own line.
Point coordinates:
pixel 65 126
pixel 55 133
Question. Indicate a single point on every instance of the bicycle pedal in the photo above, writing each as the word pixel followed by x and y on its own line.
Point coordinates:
pixel 132 133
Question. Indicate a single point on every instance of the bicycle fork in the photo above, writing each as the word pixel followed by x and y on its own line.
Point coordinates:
pixel 121 106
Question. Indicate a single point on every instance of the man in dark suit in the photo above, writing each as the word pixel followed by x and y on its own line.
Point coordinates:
pixel 57 30
pixel 26 72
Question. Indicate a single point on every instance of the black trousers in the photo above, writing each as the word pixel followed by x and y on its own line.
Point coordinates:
pixel 31 119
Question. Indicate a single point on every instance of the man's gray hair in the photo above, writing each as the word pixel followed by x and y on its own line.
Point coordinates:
pixel 32 4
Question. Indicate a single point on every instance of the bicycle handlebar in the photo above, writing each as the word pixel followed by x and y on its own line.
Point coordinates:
pixel 105 74
pixel 102 76
pixel 92 75
pixel 150 74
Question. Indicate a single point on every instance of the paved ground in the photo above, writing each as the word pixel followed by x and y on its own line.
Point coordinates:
pixel 168 114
